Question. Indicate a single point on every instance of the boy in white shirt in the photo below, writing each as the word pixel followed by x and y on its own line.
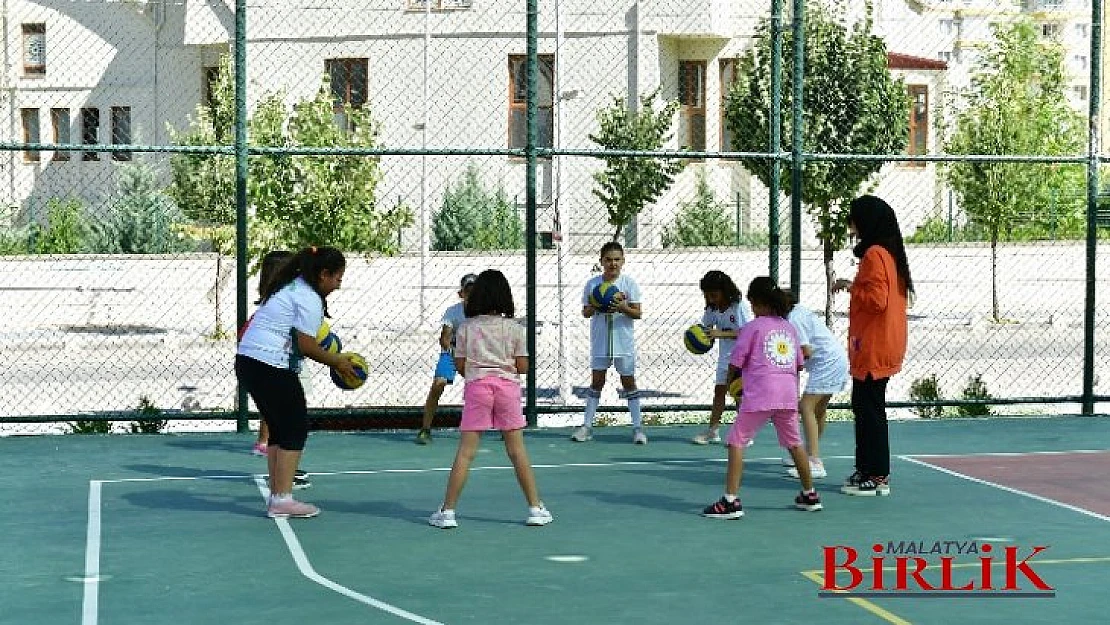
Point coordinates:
pixel 445 372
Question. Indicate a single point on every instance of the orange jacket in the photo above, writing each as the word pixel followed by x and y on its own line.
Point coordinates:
pixel 877 321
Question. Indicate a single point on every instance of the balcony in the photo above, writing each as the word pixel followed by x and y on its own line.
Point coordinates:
pixel 721 19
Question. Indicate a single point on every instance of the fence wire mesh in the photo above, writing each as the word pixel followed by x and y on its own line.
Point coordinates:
pixel 396 129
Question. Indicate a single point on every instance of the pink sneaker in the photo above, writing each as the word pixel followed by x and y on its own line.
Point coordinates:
pixel 291 508
pixel 259 449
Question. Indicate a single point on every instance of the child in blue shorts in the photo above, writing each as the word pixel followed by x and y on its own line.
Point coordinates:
pixel 445 367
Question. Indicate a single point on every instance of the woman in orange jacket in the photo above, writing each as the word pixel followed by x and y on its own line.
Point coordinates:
pixel 877 326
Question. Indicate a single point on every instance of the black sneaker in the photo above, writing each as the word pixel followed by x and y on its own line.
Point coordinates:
pixel 853 480
pixel 874 486
pixel 724 509
pixel 423 437
pixel 810 502
pixel 300 481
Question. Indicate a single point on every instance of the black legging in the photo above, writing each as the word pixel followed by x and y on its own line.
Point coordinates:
pixel 279 396
pixel 872 440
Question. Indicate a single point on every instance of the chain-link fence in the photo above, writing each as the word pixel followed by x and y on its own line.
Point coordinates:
pixel 403 132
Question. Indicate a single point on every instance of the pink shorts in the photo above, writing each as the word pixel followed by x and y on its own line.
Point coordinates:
pixel 491 403
pixel 746 425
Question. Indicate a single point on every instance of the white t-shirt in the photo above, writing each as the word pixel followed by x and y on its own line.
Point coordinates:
pixel 732 318
pixel 612 334
pixel 490 344
pixel 828 354
pixel 270 336
pixel 454 317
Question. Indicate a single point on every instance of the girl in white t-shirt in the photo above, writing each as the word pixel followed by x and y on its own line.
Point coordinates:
pixel 281 334
pixel 724 315
pixel 491 353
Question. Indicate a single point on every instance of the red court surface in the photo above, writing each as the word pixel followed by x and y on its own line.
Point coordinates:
pixel 1070 478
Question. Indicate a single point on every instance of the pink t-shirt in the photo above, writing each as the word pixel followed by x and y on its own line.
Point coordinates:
pixel 490 345
pixel 769 357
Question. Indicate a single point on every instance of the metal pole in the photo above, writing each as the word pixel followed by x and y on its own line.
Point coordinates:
pixel 796 157
pixel 241 424
pixel 530 203
pixel 1093 149
pixel 775 140
pixel 424 244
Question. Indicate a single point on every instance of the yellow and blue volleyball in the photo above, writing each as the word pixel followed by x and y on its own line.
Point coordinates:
pixel 736 388
pixel 350 383
pixel 327 339
pixel 697 339
pixel 602 296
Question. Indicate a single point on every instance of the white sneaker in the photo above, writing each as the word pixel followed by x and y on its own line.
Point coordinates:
pixel 787 461
pixel 537 516
pixel 581 435
pixel 639 438
pixel 443 519
pixel 708 437
pixel 816 471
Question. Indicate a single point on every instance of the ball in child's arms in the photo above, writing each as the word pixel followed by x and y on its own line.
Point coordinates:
pixel 327 339
pixel 349 383
pixel 603 295
pixel 697 339
pixel 736 388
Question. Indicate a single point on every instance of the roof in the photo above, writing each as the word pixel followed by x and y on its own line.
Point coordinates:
pixel 895 60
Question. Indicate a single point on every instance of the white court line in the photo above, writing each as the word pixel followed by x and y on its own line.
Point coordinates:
pixel 1008 489
pixel 1003 454
pixel 91 600
pixel 308 571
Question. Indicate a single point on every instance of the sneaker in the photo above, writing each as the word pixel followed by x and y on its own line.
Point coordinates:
pixel 300 481
pixel 874 486
pixel 259 449
pixel 638 437
pixel 810 502
pixel 424 436
pixel 708 437
pixel 538 516
pixel 443 519
pixel 290 508
pixel 724 509
pixel 816 471
pixel 853 480
pixel 787 461
pixel 582 434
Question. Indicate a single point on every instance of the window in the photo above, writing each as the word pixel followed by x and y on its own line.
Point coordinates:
pixel 518 93
pixel 420 5
pixel 90 132
pixel 209 80
pixel 1080 92
pixel 691 99
pixel 30 133
pixel 121 131
pixel 728 77
pixel 1081 31
pixel 947 27
pixel 945 56
pixel 349 87
pixel 919 122
pixel 34 49
pixel 1050 29
pixel 1080 61
pixel 59 119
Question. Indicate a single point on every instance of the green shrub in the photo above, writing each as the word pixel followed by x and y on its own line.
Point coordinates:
pixel 143 220
pixel 14 241
pixel 926 389
pixel 66 230
pixel 976 389
pixel 149 421
pixel 90 426
pixel 474 218
pixel 701 222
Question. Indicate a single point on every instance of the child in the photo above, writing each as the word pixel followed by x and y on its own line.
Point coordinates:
pixel 724 315
pixel 490 353
pixel 769 357
pixel 444 373
pixel 612 341
pixel 826 364
pixel 281 334
pixel 270 263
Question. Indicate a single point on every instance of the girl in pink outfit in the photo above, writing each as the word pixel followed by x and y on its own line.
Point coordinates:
pixel 490 353
pixel 768 355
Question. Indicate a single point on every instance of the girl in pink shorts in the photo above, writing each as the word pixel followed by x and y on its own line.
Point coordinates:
pixel 769 356
pixel 490 353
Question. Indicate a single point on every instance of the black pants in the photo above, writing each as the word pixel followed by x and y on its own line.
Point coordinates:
pixel 279 396
pixel 872 441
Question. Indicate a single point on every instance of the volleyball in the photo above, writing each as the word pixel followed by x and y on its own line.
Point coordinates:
pixel 736 388
pixel 603 295
pixel 697 339
pixel 327 339
pixel 351 383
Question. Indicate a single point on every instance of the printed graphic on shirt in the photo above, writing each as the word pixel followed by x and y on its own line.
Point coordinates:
pixel 779 348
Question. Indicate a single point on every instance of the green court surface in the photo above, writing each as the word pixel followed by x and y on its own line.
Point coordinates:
pixel 144 530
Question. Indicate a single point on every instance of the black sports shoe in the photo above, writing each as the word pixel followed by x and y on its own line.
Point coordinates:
pixel 874 486
pixel 853 480
pixel 423 437
pixel 724 509
pixel 810 502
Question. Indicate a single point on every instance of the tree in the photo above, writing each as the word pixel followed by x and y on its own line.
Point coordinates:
pixel 1016 105
pixel 628 184
pixel 701 222
pixel 852 106
pixel 144 219
pixel 473 218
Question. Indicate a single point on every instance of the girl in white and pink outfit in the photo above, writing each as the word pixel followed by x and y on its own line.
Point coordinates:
pixel 490 353
pixel 768 355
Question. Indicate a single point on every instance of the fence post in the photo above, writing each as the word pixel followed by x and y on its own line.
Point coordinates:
pixel 1093 148
pixel 775 140
pixel 241 424
pixel 797 154
pixel 530 203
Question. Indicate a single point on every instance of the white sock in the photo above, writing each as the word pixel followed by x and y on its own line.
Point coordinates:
pixel 730 498
pixel 634 409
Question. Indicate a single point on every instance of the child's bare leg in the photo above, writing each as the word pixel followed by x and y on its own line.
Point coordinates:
pixel 820 411
pixel 798 453
pixel 735 471
pixel 518 455
pixel 431 403
pixel 460 469
pixel 720 392
pixel 808 408
pixel 263 433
